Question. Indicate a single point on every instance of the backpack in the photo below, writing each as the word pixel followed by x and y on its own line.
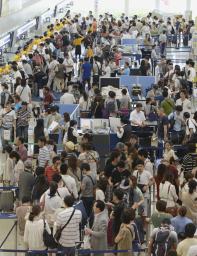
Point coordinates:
pixel 162 243
pixel 3 99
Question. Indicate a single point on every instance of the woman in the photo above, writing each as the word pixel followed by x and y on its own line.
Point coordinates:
pixel 74 171
pixel 41 185
pixel 66 123
pixel 161 171
pixel 38 132
pixel 72 133
pixel 8 173
pixel 184 186
pixel 90 156
pixel 84 102
pixel 189 200
pixel 167 191
pixel 169 152
pixel 18 166
pixel 51 201
pixel 34 229
pixel 126 234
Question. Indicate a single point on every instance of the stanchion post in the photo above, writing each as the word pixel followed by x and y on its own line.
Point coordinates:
pixel 16 238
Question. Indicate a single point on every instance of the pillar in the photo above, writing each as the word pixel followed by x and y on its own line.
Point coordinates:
pixel 126 6
pixel 157 5
pixel 188 5
pixel 96 2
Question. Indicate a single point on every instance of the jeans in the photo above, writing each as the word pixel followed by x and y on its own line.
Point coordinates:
pixel 68 251
pixel 22 131
pixel 88 204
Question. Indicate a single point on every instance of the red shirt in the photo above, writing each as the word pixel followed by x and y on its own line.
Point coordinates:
pixel 49 172
pixel 48 99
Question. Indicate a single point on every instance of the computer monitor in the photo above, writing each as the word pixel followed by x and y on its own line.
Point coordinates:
pixel 100 124
pixel 112 81
pixel 85 124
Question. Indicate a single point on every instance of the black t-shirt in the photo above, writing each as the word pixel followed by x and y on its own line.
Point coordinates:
pixel 117 176
pixel 109 167
pixel 161 122
pixel 117 213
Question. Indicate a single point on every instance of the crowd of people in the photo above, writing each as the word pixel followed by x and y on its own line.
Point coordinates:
pixel 65 193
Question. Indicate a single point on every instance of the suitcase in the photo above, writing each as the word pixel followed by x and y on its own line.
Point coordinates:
pixel 6 201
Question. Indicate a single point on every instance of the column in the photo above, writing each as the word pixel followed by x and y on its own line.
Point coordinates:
pixel 126 6
pixel 188 5
pixel 157 5
pixel 96 2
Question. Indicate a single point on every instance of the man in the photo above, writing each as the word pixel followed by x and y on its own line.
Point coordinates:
pixel 23 116
pixel 53 64
pixel 191 76
pixel 124 132
pixel 47 97
pixel 162 130
pixel 167 104
pixel 180 221
pixel 21 149
pixel 86 69
pixel 126 70
pixel 26 181
pixel 163 41
pixel 158 216
pixel 5 95
pixel 70 234
pixel 143 155
pixel 111 163
pixel 177 125
pixel 69 64
pixel 183 246
pixel 144 181
pixel 51 170
pixel 67 98
pixel 44 154
pixel 88 185
pixel 118 174
pixel 163 239
pixel 54 118
pixel 98 233
pixel 137 116
pixel 8 124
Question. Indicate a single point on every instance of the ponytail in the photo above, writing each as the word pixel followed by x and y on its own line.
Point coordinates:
pixel 34 212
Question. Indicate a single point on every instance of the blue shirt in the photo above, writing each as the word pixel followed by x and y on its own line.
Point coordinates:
pixel 126 72
pixel 17 106
pixel 179 223
pixel 86 70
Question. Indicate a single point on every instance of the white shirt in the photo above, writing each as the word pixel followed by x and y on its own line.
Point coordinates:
pixel 67 98
pixel 190 124
pixel 186 105
pixel 70 184
pixel 107 71
pixel 143 178
pixel 24 93
pixel 68 64
pixel 137 117
pixel 192 74
pixel 33 235
pixel 167 192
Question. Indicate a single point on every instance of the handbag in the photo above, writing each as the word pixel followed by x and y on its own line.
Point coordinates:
pixel 86 242
pixel 48 239
pixel 59 231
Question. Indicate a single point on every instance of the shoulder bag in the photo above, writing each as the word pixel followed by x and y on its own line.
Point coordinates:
pixel 59 231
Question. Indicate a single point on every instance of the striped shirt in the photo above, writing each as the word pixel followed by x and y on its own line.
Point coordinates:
pixel 43 157
pixel 70 234
pixel 7 118
pixel 23 117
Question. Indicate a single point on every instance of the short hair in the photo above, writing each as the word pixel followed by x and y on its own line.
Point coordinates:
pixel 21 139
pixel 166 221
pixel 56 177
pixel 42 139
pixel 55 159
pixel 143 152
pixel 85 166
pixel 182 211
pixel 39 171
pixel 114 155
pixel 139 105
pixel 69 201
pixel 63 169
pixel 100 205
pixel 190 230
pixel 119 193
pixel 165 93
pixel 73 122
pixel 139 162
pixel 127 216
pixel 186 115
pixel 161 205
pixel 26 199
pixel 112 94
pixel 124 91
pixel 121 164
pixel 179 108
